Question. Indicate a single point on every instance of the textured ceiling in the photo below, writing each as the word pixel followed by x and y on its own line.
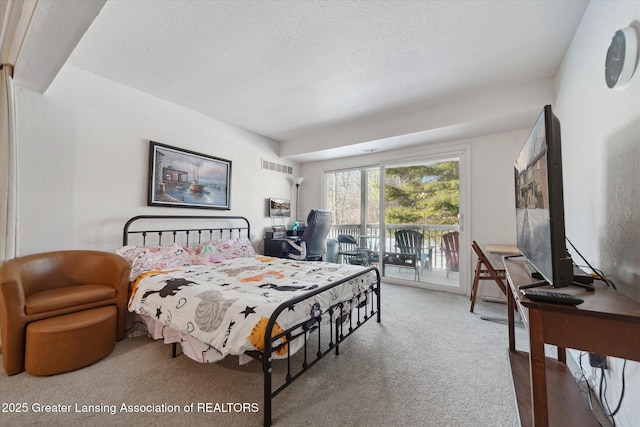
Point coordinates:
pixel 289 70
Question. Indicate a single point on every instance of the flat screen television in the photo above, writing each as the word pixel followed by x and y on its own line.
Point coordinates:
pixel 540 204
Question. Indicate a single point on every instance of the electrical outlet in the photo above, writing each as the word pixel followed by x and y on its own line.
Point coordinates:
pixel 598 360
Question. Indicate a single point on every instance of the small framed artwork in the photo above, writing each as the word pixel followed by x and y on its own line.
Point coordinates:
pixel 186 179
pixel 279 208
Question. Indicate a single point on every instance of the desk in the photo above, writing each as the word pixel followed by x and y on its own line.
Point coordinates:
pixel 278 247
pixel 606 323
pixel 495 251
pixel 500 249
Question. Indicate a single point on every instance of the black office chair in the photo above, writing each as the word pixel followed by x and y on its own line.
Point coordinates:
pixel 312 245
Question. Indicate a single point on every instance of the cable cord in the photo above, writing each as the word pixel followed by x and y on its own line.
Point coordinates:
pixel 583 379
pixel 603 397
pixel 595 270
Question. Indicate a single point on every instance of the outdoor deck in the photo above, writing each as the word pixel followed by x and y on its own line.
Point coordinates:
pixel 369 238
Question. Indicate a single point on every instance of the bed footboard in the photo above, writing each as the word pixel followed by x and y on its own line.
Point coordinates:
pixel 319 335
pixel 344 318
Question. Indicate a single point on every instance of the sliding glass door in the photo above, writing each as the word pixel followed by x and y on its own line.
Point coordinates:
pixel 421 212
pixel 413 234
pixel 353 196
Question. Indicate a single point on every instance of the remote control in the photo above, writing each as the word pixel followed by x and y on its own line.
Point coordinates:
pixel 551 296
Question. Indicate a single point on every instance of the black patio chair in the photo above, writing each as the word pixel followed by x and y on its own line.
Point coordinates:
pixel 409 251
pixel 351 252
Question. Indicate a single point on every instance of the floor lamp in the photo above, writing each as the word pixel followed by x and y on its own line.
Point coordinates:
pixel 298 182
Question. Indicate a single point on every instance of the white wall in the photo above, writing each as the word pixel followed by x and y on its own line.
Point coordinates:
pixel 84 154
pixel 492 192
pixel 601 165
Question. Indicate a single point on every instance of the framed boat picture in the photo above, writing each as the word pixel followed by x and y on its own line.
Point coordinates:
pixel 186 179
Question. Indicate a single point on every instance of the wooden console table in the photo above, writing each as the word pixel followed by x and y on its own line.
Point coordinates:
pixel 545 390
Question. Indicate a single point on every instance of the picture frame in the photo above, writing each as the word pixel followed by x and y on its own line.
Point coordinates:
pixel 279 208
pixel 187 179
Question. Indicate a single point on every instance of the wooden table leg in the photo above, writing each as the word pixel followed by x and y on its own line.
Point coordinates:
pixel 562 355
pixel 539 407
pixel 511 319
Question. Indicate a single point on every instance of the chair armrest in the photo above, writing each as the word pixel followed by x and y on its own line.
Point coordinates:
pixel 116 272
pixel 301 250
pixel 13 321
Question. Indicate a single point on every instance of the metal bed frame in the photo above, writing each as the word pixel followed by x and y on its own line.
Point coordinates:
pixel 338 330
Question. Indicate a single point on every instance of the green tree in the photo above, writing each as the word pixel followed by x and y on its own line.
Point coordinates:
pixel 427 194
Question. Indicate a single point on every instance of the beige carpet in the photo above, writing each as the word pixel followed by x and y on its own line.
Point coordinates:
pixel 429 363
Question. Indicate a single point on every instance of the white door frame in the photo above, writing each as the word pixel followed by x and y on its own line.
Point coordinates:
pixel 463 152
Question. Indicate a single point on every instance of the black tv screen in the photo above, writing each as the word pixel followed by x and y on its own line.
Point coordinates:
pixel 539 202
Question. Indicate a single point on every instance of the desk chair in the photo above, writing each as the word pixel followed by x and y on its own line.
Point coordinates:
pixel 312 245
pixel 485 271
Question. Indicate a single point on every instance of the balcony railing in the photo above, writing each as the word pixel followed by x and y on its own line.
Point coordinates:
pixel 369 236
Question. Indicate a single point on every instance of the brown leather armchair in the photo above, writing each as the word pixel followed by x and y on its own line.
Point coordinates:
pixel 45 285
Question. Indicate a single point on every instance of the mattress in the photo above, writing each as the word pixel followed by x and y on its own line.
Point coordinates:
pixel 221 309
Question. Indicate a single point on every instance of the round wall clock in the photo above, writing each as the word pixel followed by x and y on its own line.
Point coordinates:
pixel 622 57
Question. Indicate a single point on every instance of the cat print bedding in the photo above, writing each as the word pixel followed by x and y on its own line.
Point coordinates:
pixel 222 308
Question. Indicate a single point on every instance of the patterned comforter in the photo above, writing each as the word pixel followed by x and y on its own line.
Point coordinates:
pixel 226 305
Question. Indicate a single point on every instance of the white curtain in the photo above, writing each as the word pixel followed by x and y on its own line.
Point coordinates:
pixel 8 167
